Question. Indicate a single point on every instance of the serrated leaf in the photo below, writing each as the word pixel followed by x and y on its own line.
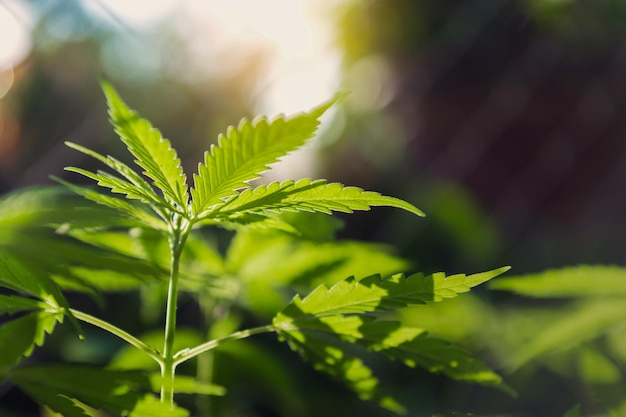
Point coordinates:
pixel 19 337
pixel 116 185
pixel 578 281
pixel 13 304
pixel 18 277
pixel 305 195
pixel 328 355
pixel 130 210
pixel 154 153
pixel 256 258
pixel 121 393
pixel 244 152
pixel 374 293
pixel 136 187
pixel 410 345
pixel 415 348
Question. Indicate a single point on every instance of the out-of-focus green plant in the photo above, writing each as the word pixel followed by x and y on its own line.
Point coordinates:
pixel 150 242
pixel 574 330
pixel 583 338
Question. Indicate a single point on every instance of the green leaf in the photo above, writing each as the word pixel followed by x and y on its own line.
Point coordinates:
pixel 414 347
pixel 577 323
pixel 246 151
pixel 149 406
pixel 410 345
pixel 154 153
pixel 18 277
pixel 60 387
pixel 578 281
pixel 374 293
pixel 130 210
pixel 12 304
pixel 136 187
pixel 330 356
pixel 19 337
pixel 256 259
pixel 305 195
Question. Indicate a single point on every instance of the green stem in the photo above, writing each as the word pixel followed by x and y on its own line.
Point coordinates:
pixel 179 232
pixel 127 337
pixel 186 354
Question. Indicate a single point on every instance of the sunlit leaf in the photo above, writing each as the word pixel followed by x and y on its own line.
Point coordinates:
pixel 136 187
pixel 375 293
pixel 131 210
pixel 246 151
pixel 154 153
pixel 305 195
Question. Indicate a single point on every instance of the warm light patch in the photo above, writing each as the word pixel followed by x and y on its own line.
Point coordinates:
pixel 15 42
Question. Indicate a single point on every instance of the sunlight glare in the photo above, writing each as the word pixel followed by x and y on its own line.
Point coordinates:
pixel 303 67
pixel 15 41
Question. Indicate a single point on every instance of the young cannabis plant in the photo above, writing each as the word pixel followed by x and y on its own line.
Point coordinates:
pixel 318 326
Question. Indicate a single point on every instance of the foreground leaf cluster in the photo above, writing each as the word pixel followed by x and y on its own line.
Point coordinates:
pixel 141 236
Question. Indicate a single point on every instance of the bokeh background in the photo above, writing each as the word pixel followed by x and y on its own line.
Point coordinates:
pixel 505 121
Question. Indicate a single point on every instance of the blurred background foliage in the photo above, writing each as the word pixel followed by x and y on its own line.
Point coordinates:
pixel 504 121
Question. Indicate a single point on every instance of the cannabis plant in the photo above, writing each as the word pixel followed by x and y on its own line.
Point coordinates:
pixel 581 337
pixel 146 237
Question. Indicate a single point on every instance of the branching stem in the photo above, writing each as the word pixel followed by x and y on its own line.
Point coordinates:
pixel 186 354
pixel 179 231
pixel 127 337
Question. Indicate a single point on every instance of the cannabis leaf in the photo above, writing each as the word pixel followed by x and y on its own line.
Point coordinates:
pixel 576 281
pixel 154 153
pixel 22 279
pixel 375 294
pixel 135 188
pixel 71 390
pixel 317 325
pixel 137 213
pixel 246 151
pixel 19 337
pixel 305 195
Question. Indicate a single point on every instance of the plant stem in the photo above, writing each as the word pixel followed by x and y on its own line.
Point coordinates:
pixel 127 337
pixel 179 231
pixel 187 354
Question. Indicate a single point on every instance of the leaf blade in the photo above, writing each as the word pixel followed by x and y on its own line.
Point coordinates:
pixel 576 281
pixel 307 195
pixel 153 152
pixel 376 294
pixel 246 151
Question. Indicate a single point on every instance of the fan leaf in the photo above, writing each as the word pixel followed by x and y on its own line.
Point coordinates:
pixel 244 152
pixel 154 153
pixel 136 187
pixel 577 281
pixel 375 294
pixel 305 195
